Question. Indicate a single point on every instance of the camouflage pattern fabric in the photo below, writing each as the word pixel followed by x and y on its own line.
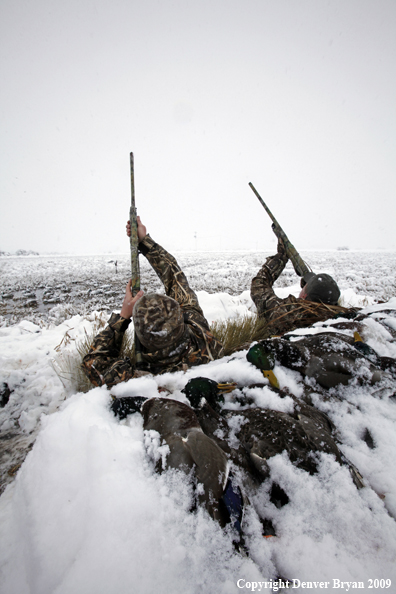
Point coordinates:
pixel 158 321
pixel 103 365
pixel 284 315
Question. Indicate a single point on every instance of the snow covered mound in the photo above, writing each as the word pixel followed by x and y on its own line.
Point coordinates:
pixel 88 514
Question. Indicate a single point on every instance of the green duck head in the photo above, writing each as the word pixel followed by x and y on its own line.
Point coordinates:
pixel 203 387
pixel 262 358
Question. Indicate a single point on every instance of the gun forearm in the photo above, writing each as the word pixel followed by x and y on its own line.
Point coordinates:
pixel 299 265
pixel 134 242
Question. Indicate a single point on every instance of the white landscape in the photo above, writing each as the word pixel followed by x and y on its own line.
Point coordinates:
pixel 87 514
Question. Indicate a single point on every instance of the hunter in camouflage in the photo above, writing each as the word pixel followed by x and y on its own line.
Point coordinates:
pixel 283 315
pixel 172 329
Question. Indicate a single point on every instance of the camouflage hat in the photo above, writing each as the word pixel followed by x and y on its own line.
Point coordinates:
pixel 322 288
pixel 158 321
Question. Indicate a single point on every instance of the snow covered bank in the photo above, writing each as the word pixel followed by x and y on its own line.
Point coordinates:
pixel 88 514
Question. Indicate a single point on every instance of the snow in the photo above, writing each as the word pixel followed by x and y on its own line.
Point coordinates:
pixel 87 513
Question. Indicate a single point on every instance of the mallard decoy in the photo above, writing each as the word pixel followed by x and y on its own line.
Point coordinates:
pixel 203 387
pixel 190 448
pixel 270 432
pixel 329 358
pixel 126 405
pixel 263 359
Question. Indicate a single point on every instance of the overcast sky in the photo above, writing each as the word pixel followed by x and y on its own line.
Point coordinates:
pixel 296 96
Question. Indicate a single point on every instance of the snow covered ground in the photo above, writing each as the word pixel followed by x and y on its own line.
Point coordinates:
pixel 54 288
pixel 86 513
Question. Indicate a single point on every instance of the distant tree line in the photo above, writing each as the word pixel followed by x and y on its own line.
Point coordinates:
pixel 20 253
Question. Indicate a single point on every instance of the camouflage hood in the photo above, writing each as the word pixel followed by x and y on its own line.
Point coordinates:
pixel 158 321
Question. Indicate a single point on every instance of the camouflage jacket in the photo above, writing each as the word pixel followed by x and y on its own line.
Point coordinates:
pixel 284 315
pixel 103 364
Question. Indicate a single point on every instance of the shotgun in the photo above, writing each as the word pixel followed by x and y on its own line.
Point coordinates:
pixel 135 268
pixel 300 266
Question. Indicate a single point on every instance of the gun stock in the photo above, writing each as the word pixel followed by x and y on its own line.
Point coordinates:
pixel 299 265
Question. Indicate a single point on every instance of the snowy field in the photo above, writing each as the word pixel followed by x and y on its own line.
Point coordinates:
pixel 54 288
pixel 85 513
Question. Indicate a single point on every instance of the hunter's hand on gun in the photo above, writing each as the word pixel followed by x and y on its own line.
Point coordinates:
pixel 129 302
pixel 141 229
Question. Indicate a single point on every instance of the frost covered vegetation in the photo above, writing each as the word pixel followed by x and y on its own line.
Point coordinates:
pixel 86 512
pixel 54 288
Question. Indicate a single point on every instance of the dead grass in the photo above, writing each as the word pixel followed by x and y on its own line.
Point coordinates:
pixel 237 334
pixel 67 363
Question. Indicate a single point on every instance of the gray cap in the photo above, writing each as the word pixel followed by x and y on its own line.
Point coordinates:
pixel 158 321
